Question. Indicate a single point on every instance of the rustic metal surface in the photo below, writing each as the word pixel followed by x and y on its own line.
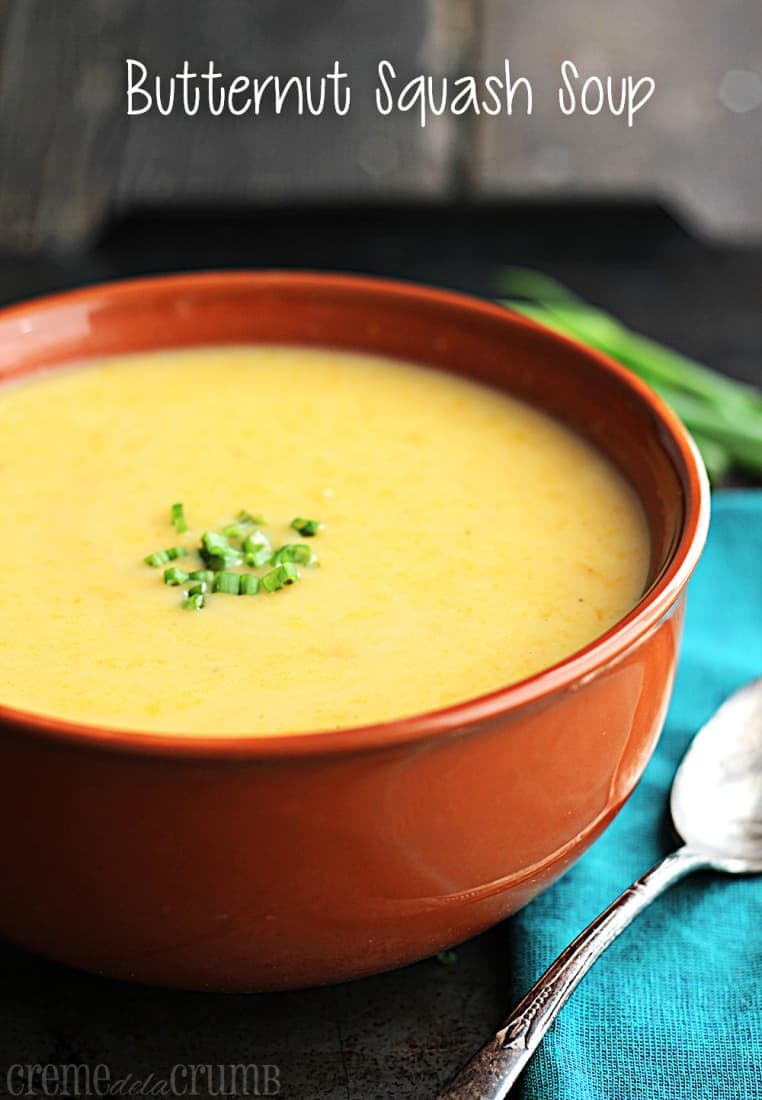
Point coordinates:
pixel 398 1035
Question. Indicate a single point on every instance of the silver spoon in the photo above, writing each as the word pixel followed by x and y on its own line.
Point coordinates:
pixel 716 806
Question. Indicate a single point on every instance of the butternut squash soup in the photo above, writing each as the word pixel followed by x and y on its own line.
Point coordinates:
pixel 409 539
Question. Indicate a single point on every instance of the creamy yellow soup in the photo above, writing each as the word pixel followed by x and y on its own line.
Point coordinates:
pixel 468 540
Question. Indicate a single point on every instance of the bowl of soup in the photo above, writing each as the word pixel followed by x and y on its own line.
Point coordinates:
pixel 339 617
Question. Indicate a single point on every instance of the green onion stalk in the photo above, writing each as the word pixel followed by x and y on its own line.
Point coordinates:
pixel 724 416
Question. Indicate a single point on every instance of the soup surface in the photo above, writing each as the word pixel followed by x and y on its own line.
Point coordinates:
pixel 467 540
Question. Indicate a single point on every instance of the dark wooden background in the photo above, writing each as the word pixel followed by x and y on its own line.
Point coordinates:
pixel 71 159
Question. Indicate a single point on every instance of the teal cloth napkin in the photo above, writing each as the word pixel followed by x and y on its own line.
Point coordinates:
pixel 673 1009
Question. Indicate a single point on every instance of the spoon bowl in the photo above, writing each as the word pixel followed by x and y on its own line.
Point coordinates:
pixel 716 800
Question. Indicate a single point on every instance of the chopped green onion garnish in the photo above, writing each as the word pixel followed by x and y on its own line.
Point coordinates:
pixel 217 552
pixel 257 550
pixel 220 559
pixel 175 575
pixel 178 518
pixel 214 543
pixel 161 557
pixel 258 559
pixel 293 551
pixel 216 562
pixel 283 574
pixel 234 530
pixel 272 580
pixel 204 575
pixel 255 520
pixel 244 522
pixel 229 583
pixel 306 527
pixel 195 602
pixel 257 540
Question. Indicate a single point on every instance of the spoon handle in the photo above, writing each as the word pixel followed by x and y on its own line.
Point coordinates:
pixel 491 1073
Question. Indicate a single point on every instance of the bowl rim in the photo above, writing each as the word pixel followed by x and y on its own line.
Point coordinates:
pixel 573 671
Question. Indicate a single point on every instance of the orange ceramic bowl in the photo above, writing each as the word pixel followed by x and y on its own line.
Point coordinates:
pixel 279 862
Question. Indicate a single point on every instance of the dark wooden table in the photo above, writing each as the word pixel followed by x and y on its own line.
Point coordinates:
pixel 399 1035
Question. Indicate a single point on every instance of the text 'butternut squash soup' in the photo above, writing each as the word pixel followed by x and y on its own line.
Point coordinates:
pixel 267 540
